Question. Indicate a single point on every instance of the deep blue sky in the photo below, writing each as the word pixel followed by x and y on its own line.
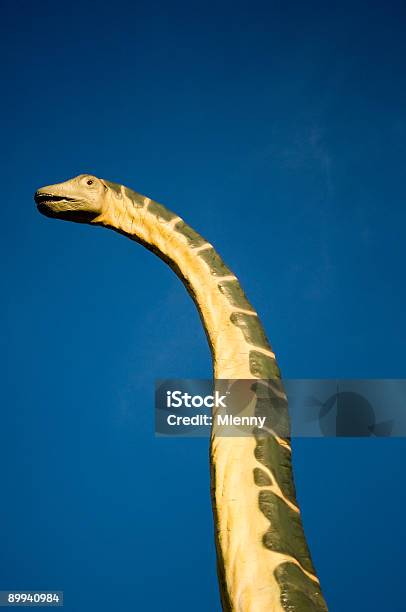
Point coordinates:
pixel 276 129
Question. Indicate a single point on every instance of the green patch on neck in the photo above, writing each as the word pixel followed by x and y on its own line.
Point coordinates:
pixel 194 239
pixel 115 187
pixel 136 198
pixel 285 534
pixel 231 289
pixel 160 211
pixel 251 328
pixel 263 366
pixel 298 592
pixel 277 459
pixel 261 478
pixel 215 263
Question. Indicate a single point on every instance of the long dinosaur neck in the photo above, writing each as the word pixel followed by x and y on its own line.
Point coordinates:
pixel 263 559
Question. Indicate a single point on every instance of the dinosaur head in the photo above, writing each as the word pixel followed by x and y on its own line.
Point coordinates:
pixel 80 199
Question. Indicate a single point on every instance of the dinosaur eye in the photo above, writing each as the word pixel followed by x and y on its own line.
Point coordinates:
pixel 89 182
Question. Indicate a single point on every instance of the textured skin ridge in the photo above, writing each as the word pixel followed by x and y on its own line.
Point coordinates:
pixel 262 556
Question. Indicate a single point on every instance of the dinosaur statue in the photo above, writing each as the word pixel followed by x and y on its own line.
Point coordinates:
pixel 263 560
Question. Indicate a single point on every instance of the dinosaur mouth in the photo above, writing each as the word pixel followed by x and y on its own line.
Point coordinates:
pixel 47 198
pixel 63 207
pixel 51 205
